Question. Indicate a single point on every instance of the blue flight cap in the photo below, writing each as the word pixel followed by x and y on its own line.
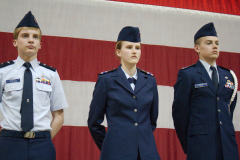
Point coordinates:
pixel 206 30
pixel 28 21
pixel 128 33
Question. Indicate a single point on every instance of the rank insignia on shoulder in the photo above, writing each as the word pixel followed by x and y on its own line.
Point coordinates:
pixel 107 71
pixel 4 64
pixel 48 67
pixel 188 66
pixel 148 73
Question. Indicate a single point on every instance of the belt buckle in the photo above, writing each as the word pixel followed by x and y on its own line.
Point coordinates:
pixel 29 135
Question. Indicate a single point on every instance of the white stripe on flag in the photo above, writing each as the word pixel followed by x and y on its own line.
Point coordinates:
pixel 79 95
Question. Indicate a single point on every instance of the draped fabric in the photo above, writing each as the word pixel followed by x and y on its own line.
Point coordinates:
pixel 79 38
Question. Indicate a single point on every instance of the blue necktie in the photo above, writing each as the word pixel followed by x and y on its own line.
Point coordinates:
pixel 132 80
pixel 27 100
pixel 214 77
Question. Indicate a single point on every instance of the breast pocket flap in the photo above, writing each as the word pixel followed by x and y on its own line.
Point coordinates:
pixel 13 86
pixel 44 87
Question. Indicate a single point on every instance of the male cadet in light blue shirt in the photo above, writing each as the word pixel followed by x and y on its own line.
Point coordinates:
pixel 204 101
pixel 31 99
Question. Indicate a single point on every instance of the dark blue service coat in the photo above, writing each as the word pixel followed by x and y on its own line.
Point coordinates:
pixel 131 116
pixel 201 114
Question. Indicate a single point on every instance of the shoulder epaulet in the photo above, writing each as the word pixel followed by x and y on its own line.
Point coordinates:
pixel 48 67
pixel 107 71
pixel 224 68
pixel 4 64
pixel 148 73
pixel 188 66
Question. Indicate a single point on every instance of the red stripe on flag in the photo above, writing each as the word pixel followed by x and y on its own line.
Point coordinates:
pixel 82 59
pixel 223 6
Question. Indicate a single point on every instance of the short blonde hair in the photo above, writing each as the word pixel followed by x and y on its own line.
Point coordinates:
pixel 17 30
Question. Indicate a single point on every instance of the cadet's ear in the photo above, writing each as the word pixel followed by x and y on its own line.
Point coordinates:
pixel 196 48
pixel 118 54
pixel 15 43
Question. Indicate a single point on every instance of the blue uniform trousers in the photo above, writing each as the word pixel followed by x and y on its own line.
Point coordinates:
pixel 16 148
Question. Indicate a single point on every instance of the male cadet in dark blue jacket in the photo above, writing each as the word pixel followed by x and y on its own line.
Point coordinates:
pixel 204 101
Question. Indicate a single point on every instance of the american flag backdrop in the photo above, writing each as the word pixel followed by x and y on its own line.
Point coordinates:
pixel 79 40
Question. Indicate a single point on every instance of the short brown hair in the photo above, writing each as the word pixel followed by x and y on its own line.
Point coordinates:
pixel 118 45
pixel 197 42
pixel 17 30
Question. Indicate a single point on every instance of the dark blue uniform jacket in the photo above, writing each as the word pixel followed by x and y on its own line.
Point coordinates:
pixel 202 116
pixel 131 116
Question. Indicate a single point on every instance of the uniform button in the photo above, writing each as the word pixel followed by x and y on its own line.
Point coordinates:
pixel 220 123
pixel 219 110
pixel 136 124
pixel 135 110
pixel 134 97
pixel 218 98
pixel 27 100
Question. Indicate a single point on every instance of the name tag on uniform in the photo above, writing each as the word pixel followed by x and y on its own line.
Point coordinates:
pixel 200 85
pixel 12 80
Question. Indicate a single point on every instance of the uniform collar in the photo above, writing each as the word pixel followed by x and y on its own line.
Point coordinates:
pixel 134 76
pixel 19 61
pixel 206 65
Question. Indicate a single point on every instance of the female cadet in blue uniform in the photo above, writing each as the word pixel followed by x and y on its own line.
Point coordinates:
pixel 129 98
pixel 204 101
pixel 30 93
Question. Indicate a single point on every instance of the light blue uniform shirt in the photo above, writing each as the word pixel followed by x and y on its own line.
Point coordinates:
pixel 48 95
pixel 207 67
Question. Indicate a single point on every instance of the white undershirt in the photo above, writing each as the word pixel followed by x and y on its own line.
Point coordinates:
pixel 207 67
pixel 127 76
